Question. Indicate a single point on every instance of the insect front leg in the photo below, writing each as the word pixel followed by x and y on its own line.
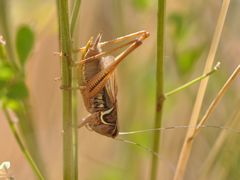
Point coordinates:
pixel 91 118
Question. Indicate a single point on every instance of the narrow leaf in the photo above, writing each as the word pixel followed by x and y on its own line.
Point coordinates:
pixel 18 91
pixel 188 58
pixel 24 43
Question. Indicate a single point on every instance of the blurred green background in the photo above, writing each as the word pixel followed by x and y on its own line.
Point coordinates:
pixel 189 30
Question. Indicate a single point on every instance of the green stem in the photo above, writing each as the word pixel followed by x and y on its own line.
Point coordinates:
pixel 4 26
pixel 73 27
pixel 159 88
pixel 192 82
pixel 70 168
pixel 22 146
pixel 75 15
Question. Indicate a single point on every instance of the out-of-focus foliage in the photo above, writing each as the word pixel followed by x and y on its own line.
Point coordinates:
pixel 187 59
pixel 185 55
pixel 18 91
pixel 181 25
pixel 12 86
pixel 108 174
pixel 14 93
pixel 24 43
pixel 6 74
pixel 2 49
pixel 141 4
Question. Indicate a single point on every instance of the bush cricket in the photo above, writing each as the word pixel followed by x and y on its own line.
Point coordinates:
pixel 97 81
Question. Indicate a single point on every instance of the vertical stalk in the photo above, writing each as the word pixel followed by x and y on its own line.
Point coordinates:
pixel 23 147
pixel 74 16
pixel 73 27
pixel 188 141
pixel 159 88
pixel 4 22
pixel 70 168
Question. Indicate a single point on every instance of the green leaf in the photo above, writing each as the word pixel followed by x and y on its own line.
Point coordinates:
pixel 3 92
pixel 12 104
pixel 18 91
pixel 2 49
pixel 188 58
pixel 24 43
pixel 141 4
pixel 181 25
pixel 6 74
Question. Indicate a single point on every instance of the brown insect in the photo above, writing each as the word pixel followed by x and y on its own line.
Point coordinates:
pixel 97 81
pixel 97 84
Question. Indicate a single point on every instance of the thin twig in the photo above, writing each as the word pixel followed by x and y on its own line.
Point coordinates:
pixel 187 145
pixel 218 144
pixel 22 146
pixel 4 23
pixel 74 16
pixel 217 99
pixel 74 37
pixel 193 81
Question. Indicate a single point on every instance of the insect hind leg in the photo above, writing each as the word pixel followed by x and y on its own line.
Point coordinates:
pixel 140 36
pixel 95 84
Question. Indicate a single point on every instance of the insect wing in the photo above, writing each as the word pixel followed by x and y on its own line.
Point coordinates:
pixel 111 85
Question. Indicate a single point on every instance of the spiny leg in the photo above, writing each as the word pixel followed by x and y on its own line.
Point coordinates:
pixel 98 82
pixel 110 42
pixel 123 38
pixel 96 57
pixel 116 40
pixel 103 76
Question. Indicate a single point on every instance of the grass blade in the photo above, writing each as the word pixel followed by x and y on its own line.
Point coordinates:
pixel 187 145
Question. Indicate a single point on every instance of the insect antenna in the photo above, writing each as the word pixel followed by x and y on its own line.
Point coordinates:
pixel 170 165
pixel 140 146
pixel 180 127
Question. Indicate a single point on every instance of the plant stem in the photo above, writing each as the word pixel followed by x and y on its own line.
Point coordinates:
pixel 70 168
pixel 159 89
pixel 75 15
pixel 188 142
pixel 219 143
pixel 192 82
pixel 73 27
pixel 4 24
pixel 217 99
pixel 22 146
